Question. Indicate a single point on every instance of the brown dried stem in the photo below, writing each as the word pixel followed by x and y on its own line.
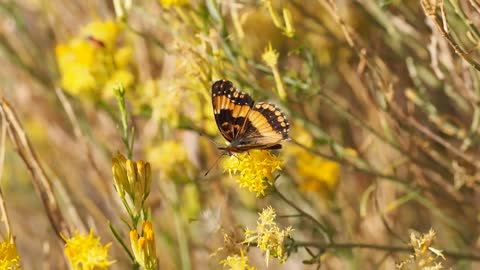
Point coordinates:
pixel 40 180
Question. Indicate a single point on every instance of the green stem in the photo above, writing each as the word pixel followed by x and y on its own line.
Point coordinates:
pixel 120 240
pixel 126 137
pixel 182 241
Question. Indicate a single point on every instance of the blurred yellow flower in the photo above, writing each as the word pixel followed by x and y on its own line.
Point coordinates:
pixel 255 169
pixel 123 56
pixel 132 178
pixel 85 252
pixel 9 259
pixel 268 236
pixel 169 3
pixel 237 262
pixel 143 246
pixel 90 64
pixel 425 256
pixel 120 76
pixel 270 57
pixel 318 174
pixel 105 32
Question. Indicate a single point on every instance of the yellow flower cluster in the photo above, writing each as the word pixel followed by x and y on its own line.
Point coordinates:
pixel 319 174
pixel 425 256
pixel 143 246
pixel 85 252
pixel 91 64
pixel 255 169
pixel 237 262
pixel 132 178
pixel 268 236
pixel 316 173
pixel 9 259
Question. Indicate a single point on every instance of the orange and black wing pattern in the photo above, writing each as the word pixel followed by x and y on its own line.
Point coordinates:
pixel 231 108
pixel 243 123
pixel 266 126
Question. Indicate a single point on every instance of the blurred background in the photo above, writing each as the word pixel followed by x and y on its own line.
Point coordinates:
pixel 382 96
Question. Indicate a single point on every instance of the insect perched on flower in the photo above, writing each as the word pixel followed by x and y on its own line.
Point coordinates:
pixel 243 123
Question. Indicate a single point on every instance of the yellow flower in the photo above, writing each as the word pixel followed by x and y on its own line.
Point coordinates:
pixel 75 61
pixel 318 174
pixel 143 247
pixel 425 256
pixel 9 259
pixel 132 179
pixel 90 63
pixel 255 169
pixel 315 173
pixel 85 252
pixel 268 236
pixel 237 262
pixel 106 32
pixel 169 3
pixel 123 56
pixel 270 57
pixel 120 76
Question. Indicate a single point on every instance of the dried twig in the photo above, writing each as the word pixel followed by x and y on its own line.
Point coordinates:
pixel 39 178
pixel 3 208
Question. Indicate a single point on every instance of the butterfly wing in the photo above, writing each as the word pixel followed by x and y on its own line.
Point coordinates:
pixel 231 108
pixel 265 127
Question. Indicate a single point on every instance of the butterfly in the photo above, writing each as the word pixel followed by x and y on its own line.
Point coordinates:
pixel 244 124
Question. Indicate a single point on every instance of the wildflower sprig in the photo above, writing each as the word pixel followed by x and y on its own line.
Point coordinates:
pixel 270 57
pixel 86 252
pixel 132 181
pixel 425 256
pixel 268 236
pixel 237 262
pixel 128 134
pixel 9 258
pixel 143 246
pixel 255 169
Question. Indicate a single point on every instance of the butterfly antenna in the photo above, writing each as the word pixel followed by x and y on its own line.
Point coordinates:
pixel 215 163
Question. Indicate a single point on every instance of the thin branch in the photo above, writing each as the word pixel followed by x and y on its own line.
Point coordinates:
pixel 385 248
pixel 322 227
pixel 40 180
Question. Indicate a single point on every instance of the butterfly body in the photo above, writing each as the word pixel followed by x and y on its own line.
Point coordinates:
pixel 243 123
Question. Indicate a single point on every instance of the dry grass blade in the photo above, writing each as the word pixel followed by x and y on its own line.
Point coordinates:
pixel 40 180
pixel 3 208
